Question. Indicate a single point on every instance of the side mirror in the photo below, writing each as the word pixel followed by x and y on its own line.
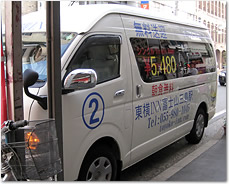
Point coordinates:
pixel 80 79
pixel 30 77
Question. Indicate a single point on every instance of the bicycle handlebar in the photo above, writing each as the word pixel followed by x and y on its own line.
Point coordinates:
pixel 6 170
pixel 3 130
pixel 17 124
pixel 11 125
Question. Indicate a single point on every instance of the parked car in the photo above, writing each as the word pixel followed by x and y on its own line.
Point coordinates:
pixel 222 77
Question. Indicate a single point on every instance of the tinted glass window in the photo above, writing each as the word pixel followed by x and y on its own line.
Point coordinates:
pixel 100 53
pixel 201 57
pixel 35 51
pixel 166 59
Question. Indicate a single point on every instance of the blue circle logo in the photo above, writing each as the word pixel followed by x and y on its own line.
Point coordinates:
pixel 92 116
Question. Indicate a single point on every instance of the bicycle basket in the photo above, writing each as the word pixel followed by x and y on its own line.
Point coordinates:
pixel 38 153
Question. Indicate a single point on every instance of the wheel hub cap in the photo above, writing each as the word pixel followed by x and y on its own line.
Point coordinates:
pixel 100 170
pixel 199 125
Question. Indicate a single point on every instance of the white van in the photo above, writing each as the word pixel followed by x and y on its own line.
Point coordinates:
pixel 132 83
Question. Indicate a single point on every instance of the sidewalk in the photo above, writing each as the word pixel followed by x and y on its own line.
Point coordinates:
pixel 209 166
pixel 207 163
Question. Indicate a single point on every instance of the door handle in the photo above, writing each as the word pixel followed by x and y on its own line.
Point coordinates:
pixel 120 92
pixel 139 90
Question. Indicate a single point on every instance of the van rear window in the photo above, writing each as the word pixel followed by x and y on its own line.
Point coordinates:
pixel 159 60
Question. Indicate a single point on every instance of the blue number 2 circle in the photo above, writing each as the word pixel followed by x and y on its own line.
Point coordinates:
pixel 92 103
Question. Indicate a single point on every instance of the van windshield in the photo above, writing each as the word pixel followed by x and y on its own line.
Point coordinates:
pixel 35 51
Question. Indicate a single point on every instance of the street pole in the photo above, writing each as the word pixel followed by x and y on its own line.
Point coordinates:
pixel 14 60
pixel 54 72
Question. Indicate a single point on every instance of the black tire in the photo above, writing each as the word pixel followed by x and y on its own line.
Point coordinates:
pixel 99 164
pixel 222 83
pixel 196 134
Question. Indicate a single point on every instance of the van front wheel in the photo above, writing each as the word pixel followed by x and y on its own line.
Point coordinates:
pixel 99 165
pixel 197 131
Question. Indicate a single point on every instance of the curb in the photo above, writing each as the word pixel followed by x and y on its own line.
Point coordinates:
pixel 165 175
pixel 185 161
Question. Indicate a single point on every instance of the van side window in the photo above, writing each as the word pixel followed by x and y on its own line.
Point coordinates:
pixel 148 55
pixel 208 58
pixel 100 53
pixel 159 60
pixel 170 57
pixel 200 58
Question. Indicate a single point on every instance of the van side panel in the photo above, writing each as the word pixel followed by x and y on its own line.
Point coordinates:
pixel 162 119
pixel 150 28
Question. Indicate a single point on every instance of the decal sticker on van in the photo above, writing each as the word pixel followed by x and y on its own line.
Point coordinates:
pixel 162 89
pixel 91 113
pixel 166 112
pixel 149 30
pixel 167 65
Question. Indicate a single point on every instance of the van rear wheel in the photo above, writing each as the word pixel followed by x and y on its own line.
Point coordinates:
pixel 99 164
pixel 196 134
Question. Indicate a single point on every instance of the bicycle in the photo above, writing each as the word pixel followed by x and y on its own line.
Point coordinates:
pixel 29 150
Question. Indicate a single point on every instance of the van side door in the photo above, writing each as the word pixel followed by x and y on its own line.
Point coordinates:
pixel 102 111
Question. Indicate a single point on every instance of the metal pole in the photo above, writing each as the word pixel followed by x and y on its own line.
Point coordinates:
pixel 14 60
pixel 54 71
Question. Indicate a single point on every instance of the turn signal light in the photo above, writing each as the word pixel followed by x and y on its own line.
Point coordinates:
pixel 32 139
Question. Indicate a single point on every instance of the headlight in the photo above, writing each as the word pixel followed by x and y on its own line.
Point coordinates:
pixel 222 74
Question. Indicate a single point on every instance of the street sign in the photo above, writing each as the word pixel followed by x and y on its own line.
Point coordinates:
pixel 145 5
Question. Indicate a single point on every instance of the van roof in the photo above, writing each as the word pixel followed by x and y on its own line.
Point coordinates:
pixel 82 18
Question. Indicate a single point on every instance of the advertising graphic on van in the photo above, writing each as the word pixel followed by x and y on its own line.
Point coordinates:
pixel 169 67
pixel 165 112
pixel 93 103
pixel 160 89
pixel 149 30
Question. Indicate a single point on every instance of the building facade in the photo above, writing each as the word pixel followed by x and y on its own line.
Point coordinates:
pixel 211 13
pixel 214 14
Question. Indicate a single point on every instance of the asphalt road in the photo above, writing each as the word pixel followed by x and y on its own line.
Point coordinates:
pixel 221 98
